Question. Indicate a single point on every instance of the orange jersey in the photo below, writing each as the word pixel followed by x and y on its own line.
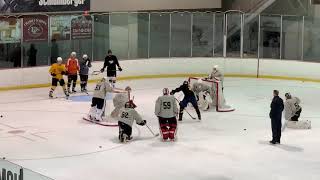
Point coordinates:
pixel 72 66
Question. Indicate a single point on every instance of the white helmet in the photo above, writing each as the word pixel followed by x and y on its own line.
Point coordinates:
pixel 215 67
pixel 73 53
pixel 59 59
pixel 85 56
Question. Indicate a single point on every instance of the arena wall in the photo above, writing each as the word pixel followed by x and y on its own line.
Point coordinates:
pixel 175 67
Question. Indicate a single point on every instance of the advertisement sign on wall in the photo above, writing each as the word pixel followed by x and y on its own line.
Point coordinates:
pixel 21 6
pixel 81 27
pixel 9 30
pixel 35 28
pixel 60 27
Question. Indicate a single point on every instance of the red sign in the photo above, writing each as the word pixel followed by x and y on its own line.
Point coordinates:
pixel 81 27
pixel 35 28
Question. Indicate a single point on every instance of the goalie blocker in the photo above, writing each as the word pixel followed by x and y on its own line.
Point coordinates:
pixel 216 95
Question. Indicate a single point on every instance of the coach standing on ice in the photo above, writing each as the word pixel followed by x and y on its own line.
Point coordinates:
pixel 276 115
pixel 111 61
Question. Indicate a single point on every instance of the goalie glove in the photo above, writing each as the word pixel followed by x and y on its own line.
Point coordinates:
pixel 53 74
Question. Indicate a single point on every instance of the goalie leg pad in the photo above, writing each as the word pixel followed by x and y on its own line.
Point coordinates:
pixel 299 124
pixel 164 124
pixel 172 127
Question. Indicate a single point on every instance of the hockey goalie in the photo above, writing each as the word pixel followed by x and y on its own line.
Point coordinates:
pixel 209 94
pixel 293 110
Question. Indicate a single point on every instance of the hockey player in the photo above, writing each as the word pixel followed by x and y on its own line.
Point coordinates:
pixel 119 101
pixel 201 90
pixel 189 97
pixel 217 75
pixel 72 69
pixel 111 61
pixel 85 64
pixel 98 98
pixel 57 70
pixel 166 111
pixel 292 108
pixel 127 116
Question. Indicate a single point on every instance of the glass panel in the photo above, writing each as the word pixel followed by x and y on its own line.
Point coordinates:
pixel 233 34
pixel 10 55
pixel 10 39
pixel 291 37
pixel 35 53
pixel 218 34
pixel 180 35
pixel 138 35
pixel 270 37
pixel 202 35
pixel 60 36
pixel 250 35
pixel 311 39
pixel 101 37
pixel 159 34
pixel 119 30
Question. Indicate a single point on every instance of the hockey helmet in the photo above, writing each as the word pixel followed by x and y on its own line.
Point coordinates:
pixel 287 95
pixel 85 56
pixel 59 60
pixel 130 104
pixel 73 54
pixel 128 88
pixel 165 91
pixel 215 67
pixel 185 82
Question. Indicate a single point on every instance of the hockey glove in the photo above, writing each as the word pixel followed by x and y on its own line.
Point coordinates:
pixel 120 69
pixel 102 70
pixel 172 93
pixel 64 73
pixel 53 74
pixel 142 123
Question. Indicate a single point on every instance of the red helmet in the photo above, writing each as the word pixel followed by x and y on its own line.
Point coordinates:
pixel 165 91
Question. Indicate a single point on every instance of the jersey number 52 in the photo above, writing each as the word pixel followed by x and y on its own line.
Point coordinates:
pixel 166 105
pixel 124 115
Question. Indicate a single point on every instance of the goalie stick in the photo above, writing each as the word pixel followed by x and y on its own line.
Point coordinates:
pixel 185 110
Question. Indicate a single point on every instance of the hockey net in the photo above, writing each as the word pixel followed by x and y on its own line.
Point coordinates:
pixel 218 101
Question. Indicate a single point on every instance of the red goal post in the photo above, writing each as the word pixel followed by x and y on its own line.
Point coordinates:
pixel 219 101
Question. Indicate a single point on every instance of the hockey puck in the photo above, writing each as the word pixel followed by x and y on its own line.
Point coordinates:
pixel 1 116
pixel 4 158
pixel 244 129
pixel 100 146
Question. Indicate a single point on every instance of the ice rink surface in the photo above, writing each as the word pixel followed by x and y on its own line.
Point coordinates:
pixel 50 137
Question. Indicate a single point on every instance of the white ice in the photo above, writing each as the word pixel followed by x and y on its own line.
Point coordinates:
pixel 50 137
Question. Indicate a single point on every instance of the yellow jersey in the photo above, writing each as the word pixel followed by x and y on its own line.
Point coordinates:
pixel 57 69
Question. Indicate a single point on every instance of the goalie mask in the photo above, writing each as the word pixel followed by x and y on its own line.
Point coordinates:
pixel 165 91
pixel 185 82
pixel 288 96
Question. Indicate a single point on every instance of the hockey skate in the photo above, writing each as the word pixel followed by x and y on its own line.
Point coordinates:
pixel 51 94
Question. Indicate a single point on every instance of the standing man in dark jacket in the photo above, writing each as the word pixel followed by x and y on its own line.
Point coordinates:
pixel 111 61
pixel 85 64
pixel 276 115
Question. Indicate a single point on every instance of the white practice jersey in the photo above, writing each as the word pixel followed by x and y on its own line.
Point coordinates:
pixel 291 106
pixel 216 75
pixel 166 106
pixel 120 100
pixel 129 115
pixel 198 87
pixel 101 89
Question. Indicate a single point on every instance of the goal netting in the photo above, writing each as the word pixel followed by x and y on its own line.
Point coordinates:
pixel 217 100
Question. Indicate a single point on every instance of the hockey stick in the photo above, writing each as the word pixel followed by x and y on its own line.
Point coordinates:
pixel 154 134
pixel 95 72
pixel 186 110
